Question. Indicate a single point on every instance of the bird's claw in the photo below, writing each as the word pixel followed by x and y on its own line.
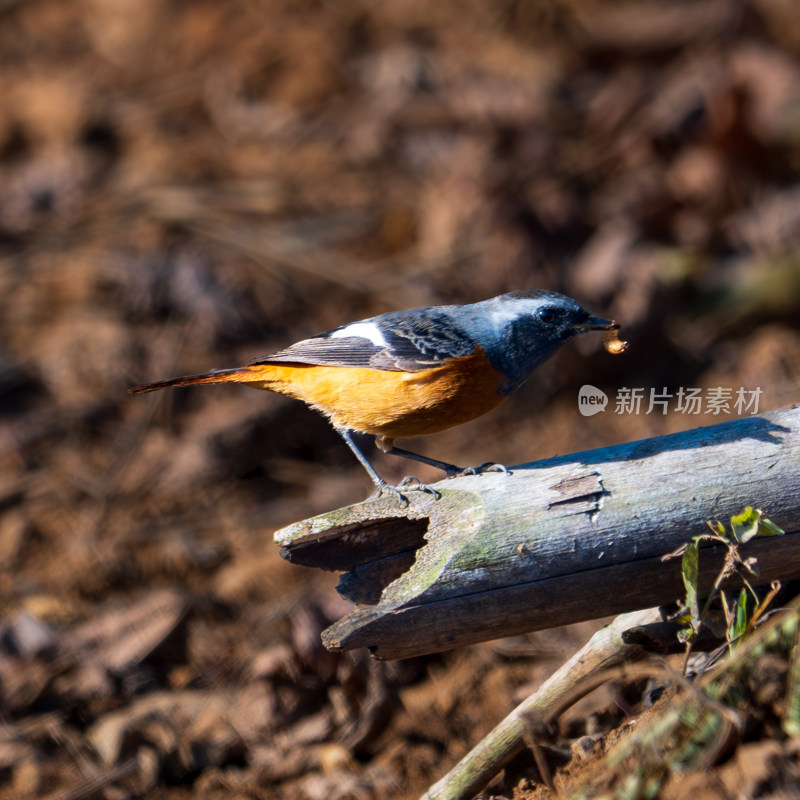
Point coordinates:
pixel 410 484
pixel 415 485
pixel 489 466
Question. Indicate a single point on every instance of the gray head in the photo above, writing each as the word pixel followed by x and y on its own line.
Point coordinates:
pixel 521 330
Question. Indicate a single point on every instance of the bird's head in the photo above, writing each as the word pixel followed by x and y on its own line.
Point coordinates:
pixel 521 330
pixel 545 315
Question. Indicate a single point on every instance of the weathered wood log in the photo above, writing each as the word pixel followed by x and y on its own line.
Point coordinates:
pixel 566 539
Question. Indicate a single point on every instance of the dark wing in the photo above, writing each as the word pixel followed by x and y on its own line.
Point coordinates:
pixel 351 351
pixel 415 340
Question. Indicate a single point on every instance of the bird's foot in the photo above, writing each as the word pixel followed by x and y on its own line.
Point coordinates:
pixel 489 466
pixel 415 485
pixel 408 484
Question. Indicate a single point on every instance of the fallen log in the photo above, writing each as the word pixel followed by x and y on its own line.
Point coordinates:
pixel 558 541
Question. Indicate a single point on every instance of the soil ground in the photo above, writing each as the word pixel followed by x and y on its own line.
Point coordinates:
pixel 188 185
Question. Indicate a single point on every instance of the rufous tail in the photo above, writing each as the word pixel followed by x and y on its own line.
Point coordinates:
pixel 239 375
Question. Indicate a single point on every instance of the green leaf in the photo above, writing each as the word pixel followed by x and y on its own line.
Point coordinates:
pixel 683 617
pixel 690 569
pixel 750 523
pixel 745 525
pixel 766 527
pixel 718 528
pixel 687 635
pixel 739 626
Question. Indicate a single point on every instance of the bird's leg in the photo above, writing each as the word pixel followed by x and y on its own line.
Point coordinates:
pixel 451 470
pixel 376 479
pixel 409 483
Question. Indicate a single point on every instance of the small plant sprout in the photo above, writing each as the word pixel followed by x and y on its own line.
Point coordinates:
pixel 738 617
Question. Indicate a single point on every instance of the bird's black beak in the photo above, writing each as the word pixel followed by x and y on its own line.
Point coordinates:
pixel 596 324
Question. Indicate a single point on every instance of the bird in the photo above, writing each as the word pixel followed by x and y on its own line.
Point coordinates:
pixel 416 372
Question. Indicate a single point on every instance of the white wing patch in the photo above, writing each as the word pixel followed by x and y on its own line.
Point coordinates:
pixel 365 330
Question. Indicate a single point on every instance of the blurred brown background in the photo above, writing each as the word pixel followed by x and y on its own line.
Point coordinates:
pixel 187 185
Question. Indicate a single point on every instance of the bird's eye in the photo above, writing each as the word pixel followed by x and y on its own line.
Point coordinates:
pixel 547 315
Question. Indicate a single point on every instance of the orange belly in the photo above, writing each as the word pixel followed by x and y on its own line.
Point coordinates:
pixel 394 405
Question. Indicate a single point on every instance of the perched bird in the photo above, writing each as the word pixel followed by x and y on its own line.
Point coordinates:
pixel 415 372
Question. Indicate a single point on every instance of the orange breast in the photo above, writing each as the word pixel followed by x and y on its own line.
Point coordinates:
pixel 390 404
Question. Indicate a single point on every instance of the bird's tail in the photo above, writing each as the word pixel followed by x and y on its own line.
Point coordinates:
pixel 239 375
